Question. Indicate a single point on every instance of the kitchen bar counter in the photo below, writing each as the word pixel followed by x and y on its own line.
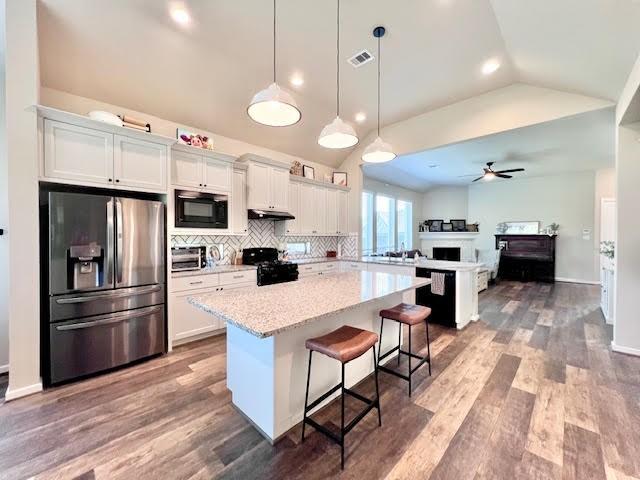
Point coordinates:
pixel 409 262
pixel 212 270
pixel 266 332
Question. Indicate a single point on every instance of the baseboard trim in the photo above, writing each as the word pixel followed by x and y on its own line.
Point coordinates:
pixel 576 280
pixel 627 350
pixel 15 393
pixel 4 368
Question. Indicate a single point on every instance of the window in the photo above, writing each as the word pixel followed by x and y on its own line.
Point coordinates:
pixel 387 223
pixel 299 248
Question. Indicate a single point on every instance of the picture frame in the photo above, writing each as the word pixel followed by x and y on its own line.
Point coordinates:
pixel 340 178
pixel 447 227
pixel 435 225
pixel 308 172
pixel 459 225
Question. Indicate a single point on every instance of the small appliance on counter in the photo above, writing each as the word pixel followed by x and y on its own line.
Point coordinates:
pixel 188 258
pixel 270 269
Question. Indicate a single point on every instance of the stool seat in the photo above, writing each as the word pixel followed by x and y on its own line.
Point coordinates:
pixel 344 344
pixel 406 313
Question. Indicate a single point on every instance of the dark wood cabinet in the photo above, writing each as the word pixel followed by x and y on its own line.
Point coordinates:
pixel 527 257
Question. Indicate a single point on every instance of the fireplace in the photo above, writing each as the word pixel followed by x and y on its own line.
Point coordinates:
pixel 451 254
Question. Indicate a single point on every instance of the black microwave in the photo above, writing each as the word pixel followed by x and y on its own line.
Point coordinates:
pixel 201 210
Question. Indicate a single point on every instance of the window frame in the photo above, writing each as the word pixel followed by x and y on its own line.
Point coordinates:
pixel 374 226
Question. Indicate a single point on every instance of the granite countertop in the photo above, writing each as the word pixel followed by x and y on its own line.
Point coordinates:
pixel 266 311
pixel 210 270
pixel 423 262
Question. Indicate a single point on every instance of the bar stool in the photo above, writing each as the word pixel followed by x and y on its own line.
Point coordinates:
pixel 409 315
pixel 344 344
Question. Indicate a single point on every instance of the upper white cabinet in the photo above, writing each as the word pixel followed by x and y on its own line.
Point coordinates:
pixel 239 222
pixel 77 153
pixel 331 212
pixel 290 227
pixel 267 184
pixel 140 164
pixel 343 212
pixel 201 169
pixel 81 151
pixel 321 214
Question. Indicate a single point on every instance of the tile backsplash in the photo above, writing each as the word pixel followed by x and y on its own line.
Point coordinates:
pixel 262 234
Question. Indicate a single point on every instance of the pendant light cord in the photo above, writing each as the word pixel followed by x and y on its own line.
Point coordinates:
pixel 274 41
pixel 379 60
pixel 338 61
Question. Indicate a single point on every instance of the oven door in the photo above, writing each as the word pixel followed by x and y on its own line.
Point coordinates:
pixel 201 210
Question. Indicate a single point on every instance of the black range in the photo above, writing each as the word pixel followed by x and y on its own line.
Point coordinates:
pixel 270 269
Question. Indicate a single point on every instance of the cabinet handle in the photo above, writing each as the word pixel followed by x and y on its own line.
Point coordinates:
pixel 205 184
pixel 238 276
pixel 200 184
pixel 110 180
pixel 117 180
pixel 196 283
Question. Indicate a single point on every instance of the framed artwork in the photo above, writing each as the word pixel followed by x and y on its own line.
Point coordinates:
pixel 186 137
pixel 435 225
pixel 447 227
pixel 308 172
pixel 340 178
pixel 459 225
pixel 522 228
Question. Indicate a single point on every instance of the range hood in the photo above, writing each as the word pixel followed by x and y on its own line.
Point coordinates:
pixel 255 214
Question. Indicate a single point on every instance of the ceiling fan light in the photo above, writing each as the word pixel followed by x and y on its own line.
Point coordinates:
pixel 378 152
pixel 338 134
pixel 489 176
pixel 274 107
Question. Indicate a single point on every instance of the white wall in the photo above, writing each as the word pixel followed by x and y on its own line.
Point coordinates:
pixel 402 194
pixel 446 203
pixel 566 199
pixel 22 87
pixel 4 209
pixel 605 187
pixel 82 106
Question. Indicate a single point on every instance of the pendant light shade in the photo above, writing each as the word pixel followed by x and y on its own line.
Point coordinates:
pixel 338 134
pixel 378 151
pixel 274 106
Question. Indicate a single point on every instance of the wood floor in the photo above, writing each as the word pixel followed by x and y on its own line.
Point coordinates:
pixel 530 391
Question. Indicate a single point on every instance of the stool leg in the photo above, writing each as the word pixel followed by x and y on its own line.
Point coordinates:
pixel 409 356
pixel 342 424
pixel 380 345
pixel 306 396
pixel 399 340
pixel 375 373
pixel 426 326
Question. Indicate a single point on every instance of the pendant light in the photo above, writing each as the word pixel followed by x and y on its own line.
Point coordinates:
pixel 378 151
pixel 274 106
pixel 338 134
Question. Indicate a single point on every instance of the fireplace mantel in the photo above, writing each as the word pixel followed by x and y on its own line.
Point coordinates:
pixel 462 240
pixel 457 236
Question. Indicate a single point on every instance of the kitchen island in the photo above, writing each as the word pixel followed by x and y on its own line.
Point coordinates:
pixel 266 332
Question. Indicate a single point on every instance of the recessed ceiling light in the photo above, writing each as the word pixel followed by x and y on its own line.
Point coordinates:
pixel 361 117
pixel 296 80
pixel 490 66
pixel 180 14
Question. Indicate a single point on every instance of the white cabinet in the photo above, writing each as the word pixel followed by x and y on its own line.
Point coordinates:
pixel 352 266
pixel 292 227
pixel 331 212
pixel 343 212
pixel 140 164
pixel 607 294
pixel 77 153
pixel 320 210
pixel 87 156
pixel 268 187
pixel 239 223
pixel 306 209
pixel 189 321
pixel 205 170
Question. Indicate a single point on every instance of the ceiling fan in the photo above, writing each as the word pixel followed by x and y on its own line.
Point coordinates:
pixel 490 173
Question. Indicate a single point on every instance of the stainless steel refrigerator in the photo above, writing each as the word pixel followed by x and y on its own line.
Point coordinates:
pixel 106 283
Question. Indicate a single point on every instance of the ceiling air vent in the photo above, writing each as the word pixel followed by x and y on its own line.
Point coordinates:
pixel 360 58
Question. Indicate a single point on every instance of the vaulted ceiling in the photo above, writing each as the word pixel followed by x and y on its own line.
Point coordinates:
pixel 131 53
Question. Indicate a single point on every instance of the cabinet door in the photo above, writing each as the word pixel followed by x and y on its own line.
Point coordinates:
pixel 259 186
pixel 239 222
pixel 293 226
pixel 77 153
pixel 140 164
pixel 343 212
pixel 217 175
pixel 320 218
pixel 189 320
pixel 331 211
pixel 186 169
pixel 306 209
pixel 280 189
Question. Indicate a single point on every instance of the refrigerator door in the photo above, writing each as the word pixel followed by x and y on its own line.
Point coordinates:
pixel 93 344
pixel 140 251
pixel 81 237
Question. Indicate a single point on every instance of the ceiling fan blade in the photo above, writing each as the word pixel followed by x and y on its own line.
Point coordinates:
pixel 510 170
pixel 479 178
pixel 501 175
